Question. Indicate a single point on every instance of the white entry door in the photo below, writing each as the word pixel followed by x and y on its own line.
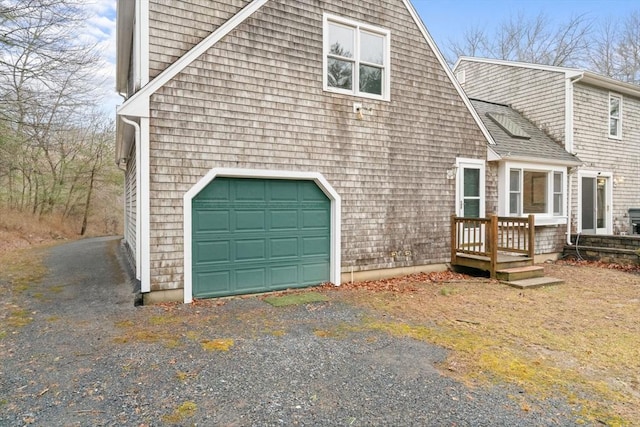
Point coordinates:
pixel 470 188
pixel 470 201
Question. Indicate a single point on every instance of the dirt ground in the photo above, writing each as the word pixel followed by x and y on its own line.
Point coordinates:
pixel 578 342
pixel 580 339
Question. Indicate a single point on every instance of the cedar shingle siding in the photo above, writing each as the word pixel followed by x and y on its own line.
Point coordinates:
pixel 255 100
pixel 537 94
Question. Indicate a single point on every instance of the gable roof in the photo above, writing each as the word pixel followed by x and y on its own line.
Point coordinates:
pixel 138 104
pixel 516 138
pixel 574 74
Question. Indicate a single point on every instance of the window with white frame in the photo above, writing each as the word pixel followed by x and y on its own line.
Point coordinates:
pixel 356 58
pixel 615 116
pixel 539 192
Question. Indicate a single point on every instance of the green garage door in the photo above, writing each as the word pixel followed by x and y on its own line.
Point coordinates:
pixel 258 235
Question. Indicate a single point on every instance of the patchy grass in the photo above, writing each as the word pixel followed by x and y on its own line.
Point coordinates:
pixel 178 416
pixel 18 317
pixel 223 344
pixel 295 299
pixel 19 270
pixel 580 339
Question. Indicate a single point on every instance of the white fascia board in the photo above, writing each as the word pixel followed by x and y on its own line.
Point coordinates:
pixel 318 178
pixel 136 106
pixel 569 72
pixel 139 103
pixel 143 61
pixel 447 70
pixel 125 12
pixel 492 156
pixel 524 161
pixel 613 85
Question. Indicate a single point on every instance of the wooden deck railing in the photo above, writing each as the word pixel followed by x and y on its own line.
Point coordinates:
pixel 487 237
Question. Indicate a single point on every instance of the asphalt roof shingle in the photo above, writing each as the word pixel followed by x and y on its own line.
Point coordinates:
pixel 509 144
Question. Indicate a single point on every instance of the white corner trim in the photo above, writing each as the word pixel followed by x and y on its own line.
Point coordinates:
pixel 142 96
pixel 318 178
pixel 447 70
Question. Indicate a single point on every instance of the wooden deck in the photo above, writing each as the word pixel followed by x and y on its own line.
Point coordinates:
pixel 492 244
pixel 503 261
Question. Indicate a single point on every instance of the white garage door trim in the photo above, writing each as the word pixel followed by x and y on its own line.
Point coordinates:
pixel 317 177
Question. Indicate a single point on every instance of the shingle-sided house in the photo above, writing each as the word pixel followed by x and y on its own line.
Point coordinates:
pixel 594 117
pixel 271 144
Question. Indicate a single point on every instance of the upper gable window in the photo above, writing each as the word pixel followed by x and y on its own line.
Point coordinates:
pixel 615 116
pixel 356 58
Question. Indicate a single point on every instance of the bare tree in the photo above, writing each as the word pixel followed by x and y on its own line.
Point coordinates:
pixel 629 49
pixel 534 40
pixel 54 148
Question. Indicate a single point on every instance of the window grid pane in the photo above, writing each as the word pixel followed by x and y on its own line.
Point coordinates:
pixel 371 48
pixel 370 79
pixel 614 115
pixel 557 193
pixel 341 41
pixel 514 192
pixel 339 73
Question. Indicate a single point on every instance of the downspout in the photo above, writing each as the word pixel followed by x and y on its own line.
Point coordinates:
pixel 569 142
pixel 136 127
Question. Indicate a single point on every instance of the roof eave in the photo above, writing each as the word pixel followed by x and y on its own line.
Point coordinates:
pixel 611 84
pixel 529 159
pixel 125 12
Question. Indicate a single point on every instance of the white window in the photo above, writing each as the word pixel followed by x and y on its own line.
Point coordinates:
pixel 514 192
pixel 615 116
pixel 557 193
pixel 356 58
pixel 539 192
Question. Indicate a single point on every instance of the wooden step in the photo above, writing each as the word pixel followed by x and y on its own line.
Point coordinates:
pixel 534 282
pixel 520 273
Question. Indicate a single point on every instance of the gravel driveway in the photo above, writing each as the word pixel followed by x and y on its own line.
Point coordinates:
pixel 89 357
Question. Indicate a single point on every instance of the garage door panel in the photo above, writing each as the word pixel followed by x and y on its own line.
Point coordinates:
pixel 220 191
pixel 284 191
pixel 212 252
pixel 315 218
pixel 250 220
pixel 284 276
pixel 284 247
pixel 212 284
pixel 251 250
pixel 315 273
pixel 251 279
pixel 259 235
pixel 216 221
pixel 250 190
pixel 312 246
pixel 284 219
pixel 311 192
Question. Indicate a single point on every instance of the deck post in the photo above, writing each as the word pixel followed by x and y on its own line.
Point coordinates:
pixel 454 239
pixel 493 248
pixel 532 236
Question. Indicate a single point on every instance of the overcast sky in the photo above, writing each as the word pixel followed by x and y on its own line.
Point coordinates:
pixel 445 20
